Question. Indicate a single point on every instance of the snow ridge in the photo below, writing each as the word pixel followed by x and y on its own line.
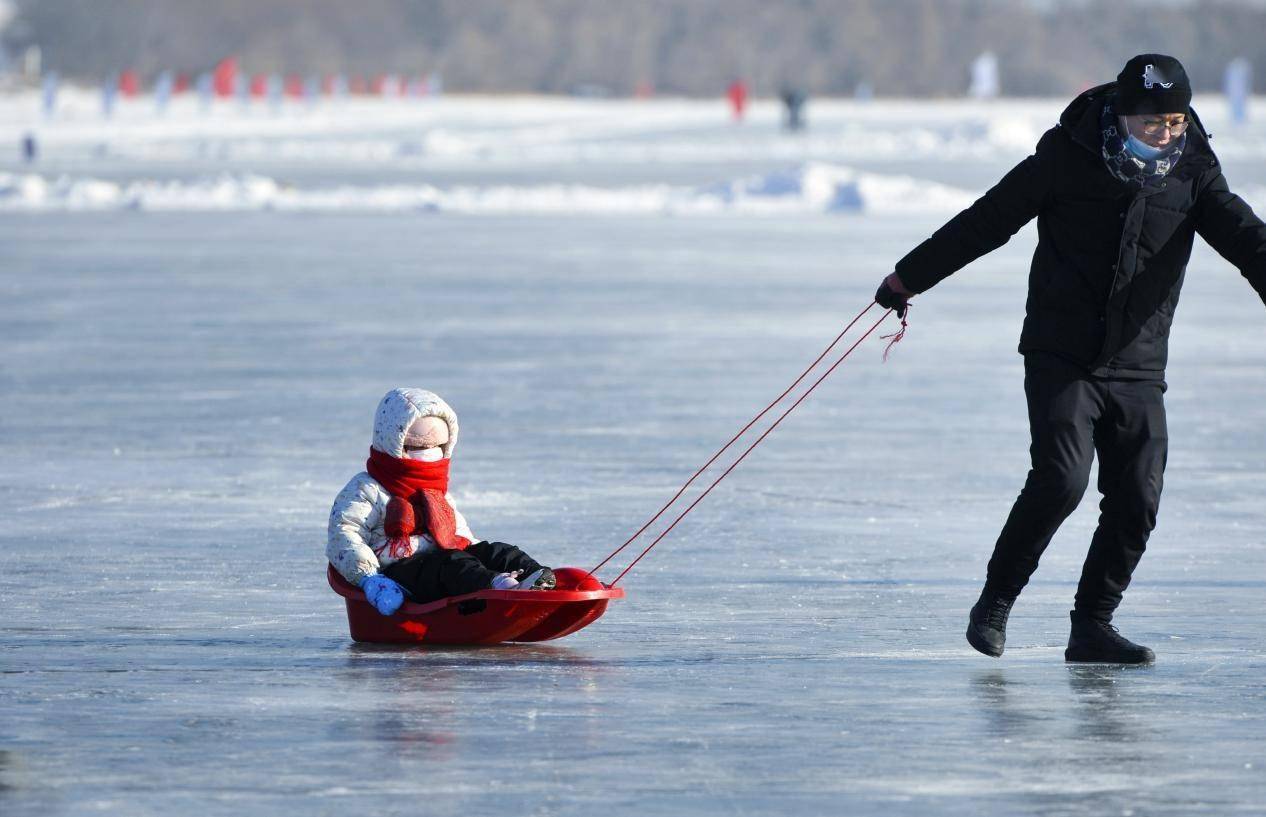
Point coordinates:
pixel 811 187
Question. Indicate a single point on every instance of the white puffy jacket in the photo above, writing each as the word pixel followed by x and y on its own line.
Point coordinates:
pixel 357 542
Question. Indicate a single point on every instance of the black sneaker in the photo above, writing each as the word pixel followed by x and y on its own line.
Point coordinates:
pixel 542 579
pixel 1095 641
pixel 987 628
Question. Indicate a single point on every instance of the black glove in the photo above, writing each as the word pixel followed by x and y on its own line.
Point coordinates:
pixel 889 298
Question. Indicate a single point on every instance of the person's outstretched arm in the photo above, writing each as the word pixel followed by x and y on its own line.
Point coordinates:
pixel 1232 228
pixel 988 223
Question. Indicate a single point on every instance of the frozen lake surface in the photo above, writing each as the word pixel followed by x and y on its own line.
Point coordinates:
pixel 185 392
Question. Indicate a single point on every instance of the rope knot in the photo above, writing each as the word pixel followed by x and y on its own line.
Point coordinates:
pixel 896 336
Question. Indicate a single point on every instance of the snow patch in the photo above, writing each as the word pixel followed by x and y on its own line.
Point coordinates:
pixel 820 187
pixel 813 187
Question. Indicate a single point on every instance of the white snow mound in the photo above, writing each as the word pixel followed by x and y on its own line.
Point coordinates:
pixel 808 188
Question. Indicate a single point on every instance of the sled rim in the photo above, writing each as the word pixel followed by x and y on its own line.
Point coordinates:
pixel 348 591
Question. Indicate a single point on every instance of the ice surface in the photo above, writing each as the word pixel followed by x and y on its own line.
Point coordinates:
pixel 185 392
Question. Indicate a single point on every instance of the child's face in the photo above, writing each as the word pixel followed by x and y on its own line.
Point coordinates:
pixel 423 439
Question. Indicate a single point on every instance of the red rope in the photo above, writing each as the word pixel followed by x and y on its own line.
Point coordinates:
pixel 895 336
pixel 733 440
pixel 751 447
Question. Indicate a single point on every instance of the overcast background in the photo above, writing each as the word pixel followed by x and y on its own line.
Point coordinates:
pixel 693 47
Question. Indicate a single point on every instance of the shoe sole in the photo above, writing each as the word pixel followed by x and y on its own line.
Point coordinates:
pixel 547 581
pixel 1080 658
pixel 980 644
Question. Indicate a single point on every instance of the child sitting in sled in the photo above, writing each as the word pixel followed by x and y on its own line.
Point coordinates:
pixel 394 530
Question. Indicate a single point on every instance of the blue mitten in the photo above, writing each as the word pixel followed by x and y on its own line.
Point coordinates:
pixel 385 594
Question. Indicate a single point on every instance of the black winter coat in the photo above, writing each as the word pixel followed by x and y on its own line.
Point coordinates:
pixel 1110 257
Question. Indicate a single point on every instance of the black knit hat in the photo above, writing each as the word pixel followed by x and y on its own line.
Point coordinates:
pixel 1153 83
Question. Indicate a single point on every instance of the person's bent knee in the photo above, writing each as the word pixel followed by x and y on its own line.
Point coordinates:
pixel 453 556
pixel 1136 519
pixel 1062 488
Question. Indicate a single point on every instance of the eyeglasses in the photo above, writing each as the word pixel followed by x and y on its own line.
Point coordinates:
pixel 1152 127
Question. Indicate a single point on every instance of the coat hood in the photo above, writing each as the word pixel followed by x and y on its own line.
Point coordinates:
pixel 400 408
pixel 1081 121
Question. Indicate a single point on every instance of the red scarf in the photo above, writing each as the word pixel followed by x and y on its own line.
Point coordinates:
pixel 415 483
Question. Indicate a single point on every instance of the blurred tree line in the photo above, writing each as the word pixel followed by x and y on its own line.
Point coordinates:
pixel 693 47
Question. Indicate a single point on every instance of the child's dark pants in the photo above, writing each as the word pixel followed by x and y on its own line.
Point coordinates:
pixel 437 574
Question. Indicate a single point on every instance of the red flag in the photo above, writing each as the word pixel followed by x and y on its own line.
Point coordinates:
pixel 129 83
pixel 225 77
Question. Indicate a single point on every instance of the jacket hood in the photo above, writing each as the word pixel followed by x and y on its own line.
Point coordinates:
pixel 1081 121
pixel 400 408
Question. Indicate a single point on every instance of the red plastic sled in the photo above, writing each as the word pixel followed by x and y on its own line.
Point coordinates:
pixel 486 617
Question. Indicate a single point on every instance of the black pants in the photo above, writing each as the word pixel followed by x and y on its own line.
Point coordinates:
pixel 1071 417
pixel 437 574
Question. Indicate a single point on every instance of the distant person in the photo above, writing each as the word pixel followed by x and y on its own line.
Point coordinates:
pixel 274 88
pixel 205 87
pixel 30 149
pixel 1119 188
pixel 395 531
pixel 737 94
pixel 793 101
pixel 1238 85
pixel 129 83
pixel 48 94
pixel 164 86
pixel 109 92
pixel 985 83
pixel 311 89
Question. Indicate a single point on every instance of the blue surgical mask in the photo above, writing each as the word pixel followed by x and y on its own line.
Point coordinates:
pixel 1144 151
